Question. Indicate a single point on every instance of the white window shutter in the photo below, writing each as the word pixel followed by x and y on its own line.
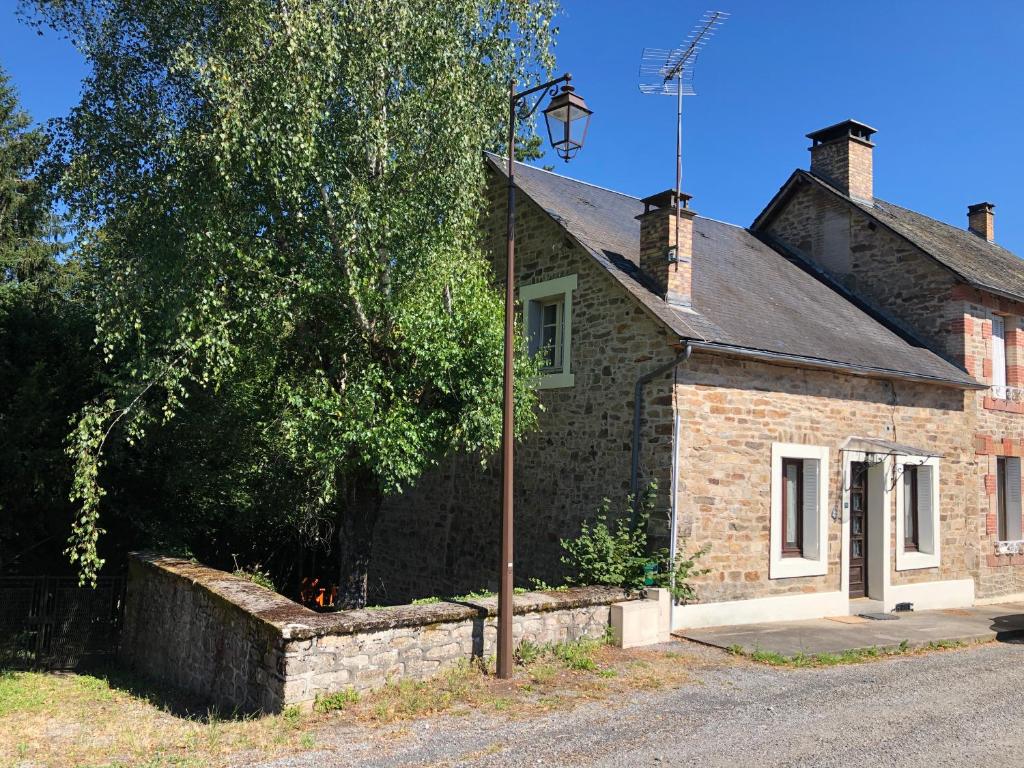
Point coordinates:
pixel 1013 505
pixel 925 509
pixel 999 357
pixel 810 511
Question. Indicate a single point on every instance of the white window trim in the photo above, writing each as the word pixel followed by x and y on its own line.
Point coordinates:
pixel 780 567
pixel 562 286
pixel 923 558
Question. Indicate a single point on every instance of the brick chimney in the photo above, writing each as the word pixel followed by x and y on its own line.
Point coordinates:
pixel 669 267
pixel 981 220
pixel 841 155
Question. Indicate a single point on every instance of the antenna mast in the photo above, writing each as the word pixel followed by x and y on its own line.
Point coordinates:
pixel 670 73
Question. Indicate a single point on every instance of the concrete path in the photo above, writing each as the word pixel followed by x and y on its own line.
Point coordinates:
pixel 851 632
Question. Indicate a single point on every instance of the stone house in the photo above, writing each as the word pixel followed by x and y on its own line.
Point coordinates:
pixel 827 398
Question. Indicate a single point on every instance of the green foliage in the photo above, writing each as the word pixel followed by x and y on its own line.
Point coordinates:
pixel 577 655
pixel 432 600
pixel 278 203
pixel 256 574
pixel 527 652
pixel 337 701
pixel 611 552
pixel 539 585
pixel 46 368
pixel 615 553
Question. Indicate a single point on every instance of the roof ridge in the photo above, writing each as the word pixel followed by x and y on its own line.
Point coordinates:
pixel 960 231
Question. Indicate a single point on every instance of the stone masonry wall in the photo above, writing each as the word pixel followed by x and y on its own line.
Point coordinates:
pixel 872 262
pixel 246 649
pixel 999 425
pixel 956 320
pixel 732 411
pixel 204 631
pixel 441 536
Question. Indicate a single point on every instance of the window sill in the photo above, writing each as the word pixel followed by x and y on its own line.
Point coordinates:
pixel 795 567
pixel 913 560
pixel 556 380
pixel 1009 547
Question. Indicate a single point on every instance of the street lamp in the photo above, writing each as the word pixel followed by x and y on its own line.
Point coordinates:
pixel 567 118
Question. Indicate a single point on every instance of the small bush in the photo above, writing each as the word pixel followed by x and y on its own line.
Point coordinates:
pixel 336 701
pixel 616 553
pixel 256 574
pixel 528 652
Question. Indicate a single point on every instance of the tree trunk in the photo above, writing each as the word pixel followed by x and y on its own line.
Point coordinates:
pixel 357 519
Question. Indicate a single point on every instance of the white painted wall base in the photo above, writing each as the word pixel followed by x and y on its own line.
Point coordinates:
pixel 932 595
pixel 642 622
pixel 780 608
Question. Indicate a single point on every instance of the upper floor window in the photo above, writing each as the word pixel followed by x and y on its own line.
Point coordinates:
pixel 999 357
pixel 547 310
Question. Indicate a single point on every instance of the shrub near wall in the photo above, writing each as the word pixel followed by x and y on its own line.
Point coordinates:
pixel 245 648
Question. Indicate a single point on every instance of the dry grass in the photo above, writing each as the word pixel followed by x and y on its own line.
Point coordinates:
pixel 98 720
pixel 112 721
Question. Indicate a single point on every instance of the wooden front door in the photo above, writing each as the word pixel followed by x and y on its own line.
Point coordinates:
pixel 858 528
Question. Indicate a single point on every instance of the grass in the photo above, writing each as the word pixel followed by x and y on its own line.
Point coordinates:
pixel 853 656
pixel 114 721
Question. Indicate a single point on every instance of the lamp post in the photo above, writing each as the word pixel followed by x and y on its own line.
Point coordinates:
pixel 567 118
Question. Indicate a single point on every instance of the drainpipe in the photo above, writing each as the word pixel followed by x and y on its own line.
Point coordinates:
pixel 638 392
pixel 673 518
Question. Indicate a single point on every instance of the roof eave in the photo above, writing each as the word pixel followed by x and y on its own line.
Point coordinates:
pixel 800 361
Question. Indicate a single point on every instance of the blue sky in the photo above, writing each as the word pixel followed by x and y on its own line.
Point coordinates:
pixel 941 81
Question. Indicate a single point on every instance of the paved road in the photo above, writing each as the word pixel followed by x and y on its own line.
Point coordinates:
pixel 959 708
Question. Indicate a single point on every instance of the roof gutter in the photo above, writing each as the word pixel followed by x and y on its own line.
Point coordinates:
pixel 779 358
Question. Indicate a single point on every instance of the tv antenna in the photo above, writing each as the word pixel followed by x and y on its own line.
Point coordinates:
pixel 670 73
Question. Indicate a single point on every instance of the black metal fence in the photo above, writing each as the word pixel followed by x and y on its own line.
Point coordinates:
pixel 52 623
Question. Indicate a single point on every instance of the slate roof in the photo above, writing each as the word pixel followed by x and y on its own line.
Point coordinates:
pixel 748 299
pixel 975 260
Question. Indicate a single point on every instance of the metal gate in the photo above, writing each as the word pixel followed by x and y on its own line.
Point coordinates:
pixel 52 623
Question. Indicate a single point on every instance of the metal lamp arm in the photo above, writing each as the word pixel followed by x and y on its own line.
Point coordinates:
pixel 550 87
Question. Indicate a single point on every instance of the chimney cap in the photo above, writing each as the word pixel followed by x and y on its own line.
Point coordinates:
pixel 987 207
pixel 664 199
pixel 849 128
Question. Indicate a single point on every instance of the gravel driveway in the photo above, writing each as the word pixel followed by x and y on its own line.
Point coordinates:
pixel 956 708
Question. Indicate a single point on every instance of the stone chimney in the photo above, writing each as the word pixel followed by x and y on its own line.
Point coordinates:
pixel 841 155
pixel 981 220
pixel 671 268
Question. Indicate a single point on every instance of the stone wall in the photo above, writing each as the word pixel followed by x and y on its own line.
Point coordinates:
pixel 244 648
pixel 732 411
pixel 890 274
pixel 904 283
pixel 441 536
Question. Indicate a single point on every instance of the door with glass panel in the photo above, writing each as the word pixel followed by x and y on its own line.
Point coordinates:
pixel 858 528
